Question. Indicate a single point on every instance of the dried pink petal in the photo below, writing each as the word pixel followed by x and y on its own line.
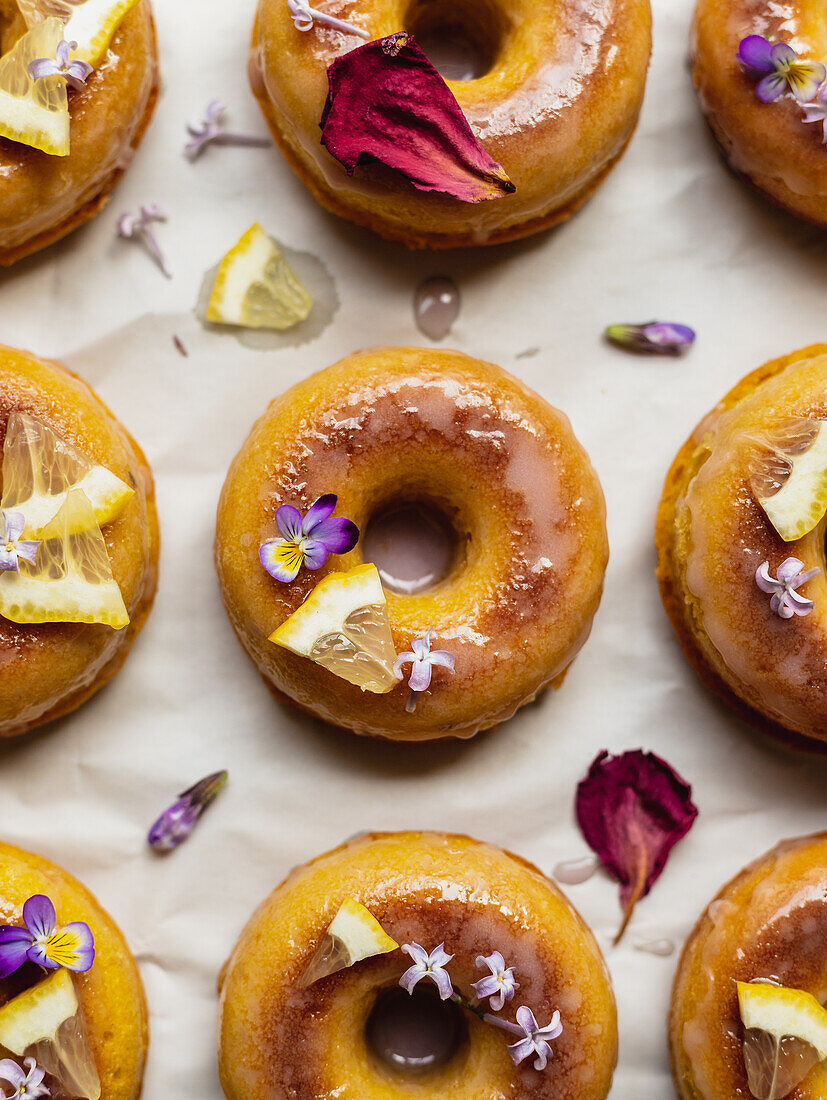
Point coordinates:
pixel 388 103
pixel 632 810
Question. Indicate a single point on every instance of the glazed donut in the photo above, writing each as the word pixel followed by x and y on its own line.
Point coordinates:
pixel 110 994
pixel 279 1040
pixel 770 922
pixel 770 145
pixel 408 425
pixel 42 197
pixel 51 668
pixel 556 108
pixel 712 538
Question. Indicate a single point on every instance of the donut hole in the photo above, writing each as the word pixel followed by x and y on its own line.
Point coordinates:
pixel 412 1035
pixel 462 38
pixel 413 544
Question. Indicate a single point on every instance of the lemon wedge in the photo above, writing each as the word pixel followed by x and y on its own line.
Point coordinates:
pixel 91 23
pixel 256 288
pixel 353 934
pixel 784 1012
pixel 40 467
pixel 790 477
pixel 34 112
pixel 343 626
pixel 71 580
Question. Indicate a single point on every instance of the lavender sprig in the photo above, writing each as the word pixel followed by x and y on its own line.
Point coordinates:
pixel 137 227
pixel 177 822
pixel 210 131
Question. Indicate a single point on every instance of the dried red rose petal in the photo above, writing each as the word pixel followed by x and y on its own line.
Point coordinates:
pixel 387 102
pixel 633 809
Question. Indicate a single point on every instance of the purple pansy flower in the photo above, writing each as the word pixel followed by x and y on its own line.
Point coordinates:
pixel 786 601
pixel 779 69
pixel 659 337
pixel 211 132
pixel 13 547
pixel 176 823
pixel 535 1039
pixel 422 659
pixel 75 73
pixel 428 966
pixel 304 17
pixel 27 1083
pixel 307 541
pixel 41 941
pixel 499 985
pixel 137 227
pixel 817 110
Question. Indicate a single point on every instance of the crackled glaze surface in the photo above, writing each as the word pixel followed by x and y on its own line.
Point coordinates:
pixel 276 1042
pixel 770 144
pixel 556 109
pixel 770 922
pixel 405 424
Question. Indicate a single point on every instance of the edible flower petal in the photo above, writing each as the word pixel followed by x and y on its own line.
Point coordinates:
pixel 779 69
pixel 137 227
pixel 307 541
pixel 27 1083
pixel 659 337
pixel 14 548
pixel 75 73
pixel 786 601
pixel 632 810
pixel 43 942
pixel 388 103
pixel 817 110
pixel 536 1040
pixel 422 659
pixel 427 966
pixel 304 18
pixel 500 985
pixel 177 822
pixel 210 131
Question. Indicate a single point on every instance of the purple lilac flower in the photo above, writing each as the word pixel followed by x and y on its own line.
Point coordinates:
pixel 535 1039
pixel 422 659
pixel 660 337
pixel 428 966
pixel 41 941
pixel 817 110
pixel 75 73
pixel 137 227
pixel 13 547
pixel 211 132
pixel 27 1083
pixel 779 69
pixel 786 601
pixel 304 17
pixel 307 541
pixel 500 985
pixel 176 823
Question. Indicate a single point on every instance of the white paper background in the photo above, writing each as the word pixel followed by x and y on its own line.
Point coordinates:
pixel 669 235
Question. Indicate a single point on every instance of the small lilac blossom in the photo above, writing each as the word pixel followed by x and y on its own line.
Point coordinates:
pixel 211 132
pixel 137 227
pixel 176 823
pixel 428 966
pixel 13 547
pixel 307 541
pixel 786 601
pixel 304 17
pixel 422 659
pixel 42 941
pixel 817 110
pixel 27 1083
pixel 500 985
pixel 659 337
pixel 535 1039
pixel 779 69
pixel 75 73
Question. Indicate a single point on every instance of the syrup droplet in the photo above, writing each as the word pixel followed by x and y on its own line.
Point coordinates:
pixel 662 948
pixel 414 1034
pixel 572 872
pixel 436 306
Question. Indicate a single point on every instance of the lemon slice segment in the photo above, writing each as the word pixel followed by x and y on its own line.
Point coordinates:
pixel 40 467
pixel 790 477
pixel 256 288
pixel 71 580
pixel 45 1023
pixel 91 23
pixel 785 1037
pixel 353 934
pixel 343 626
pixel 34 112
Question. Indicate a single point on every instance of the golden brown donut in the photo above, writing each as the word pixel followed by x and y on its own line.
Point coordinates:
pixel 43 197
pixel 769 144
pixel 769 922
pixel 278 1041
pixel 556 108
pixel 400 425
pixel 712 535
pixel 51 668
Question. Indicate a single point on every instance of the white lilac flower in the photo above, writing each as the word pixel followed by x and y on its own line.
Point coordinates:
pixel 817 110
pixel 499 985
pixel 137 227
pixel 75 73
pixel 535 1039
pixel 779 69
pixel 786 601
pixel 304 18
pixel 13 547
pixel 27 1083
pixel 211 132
pixel 427 966
pixel 422 658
